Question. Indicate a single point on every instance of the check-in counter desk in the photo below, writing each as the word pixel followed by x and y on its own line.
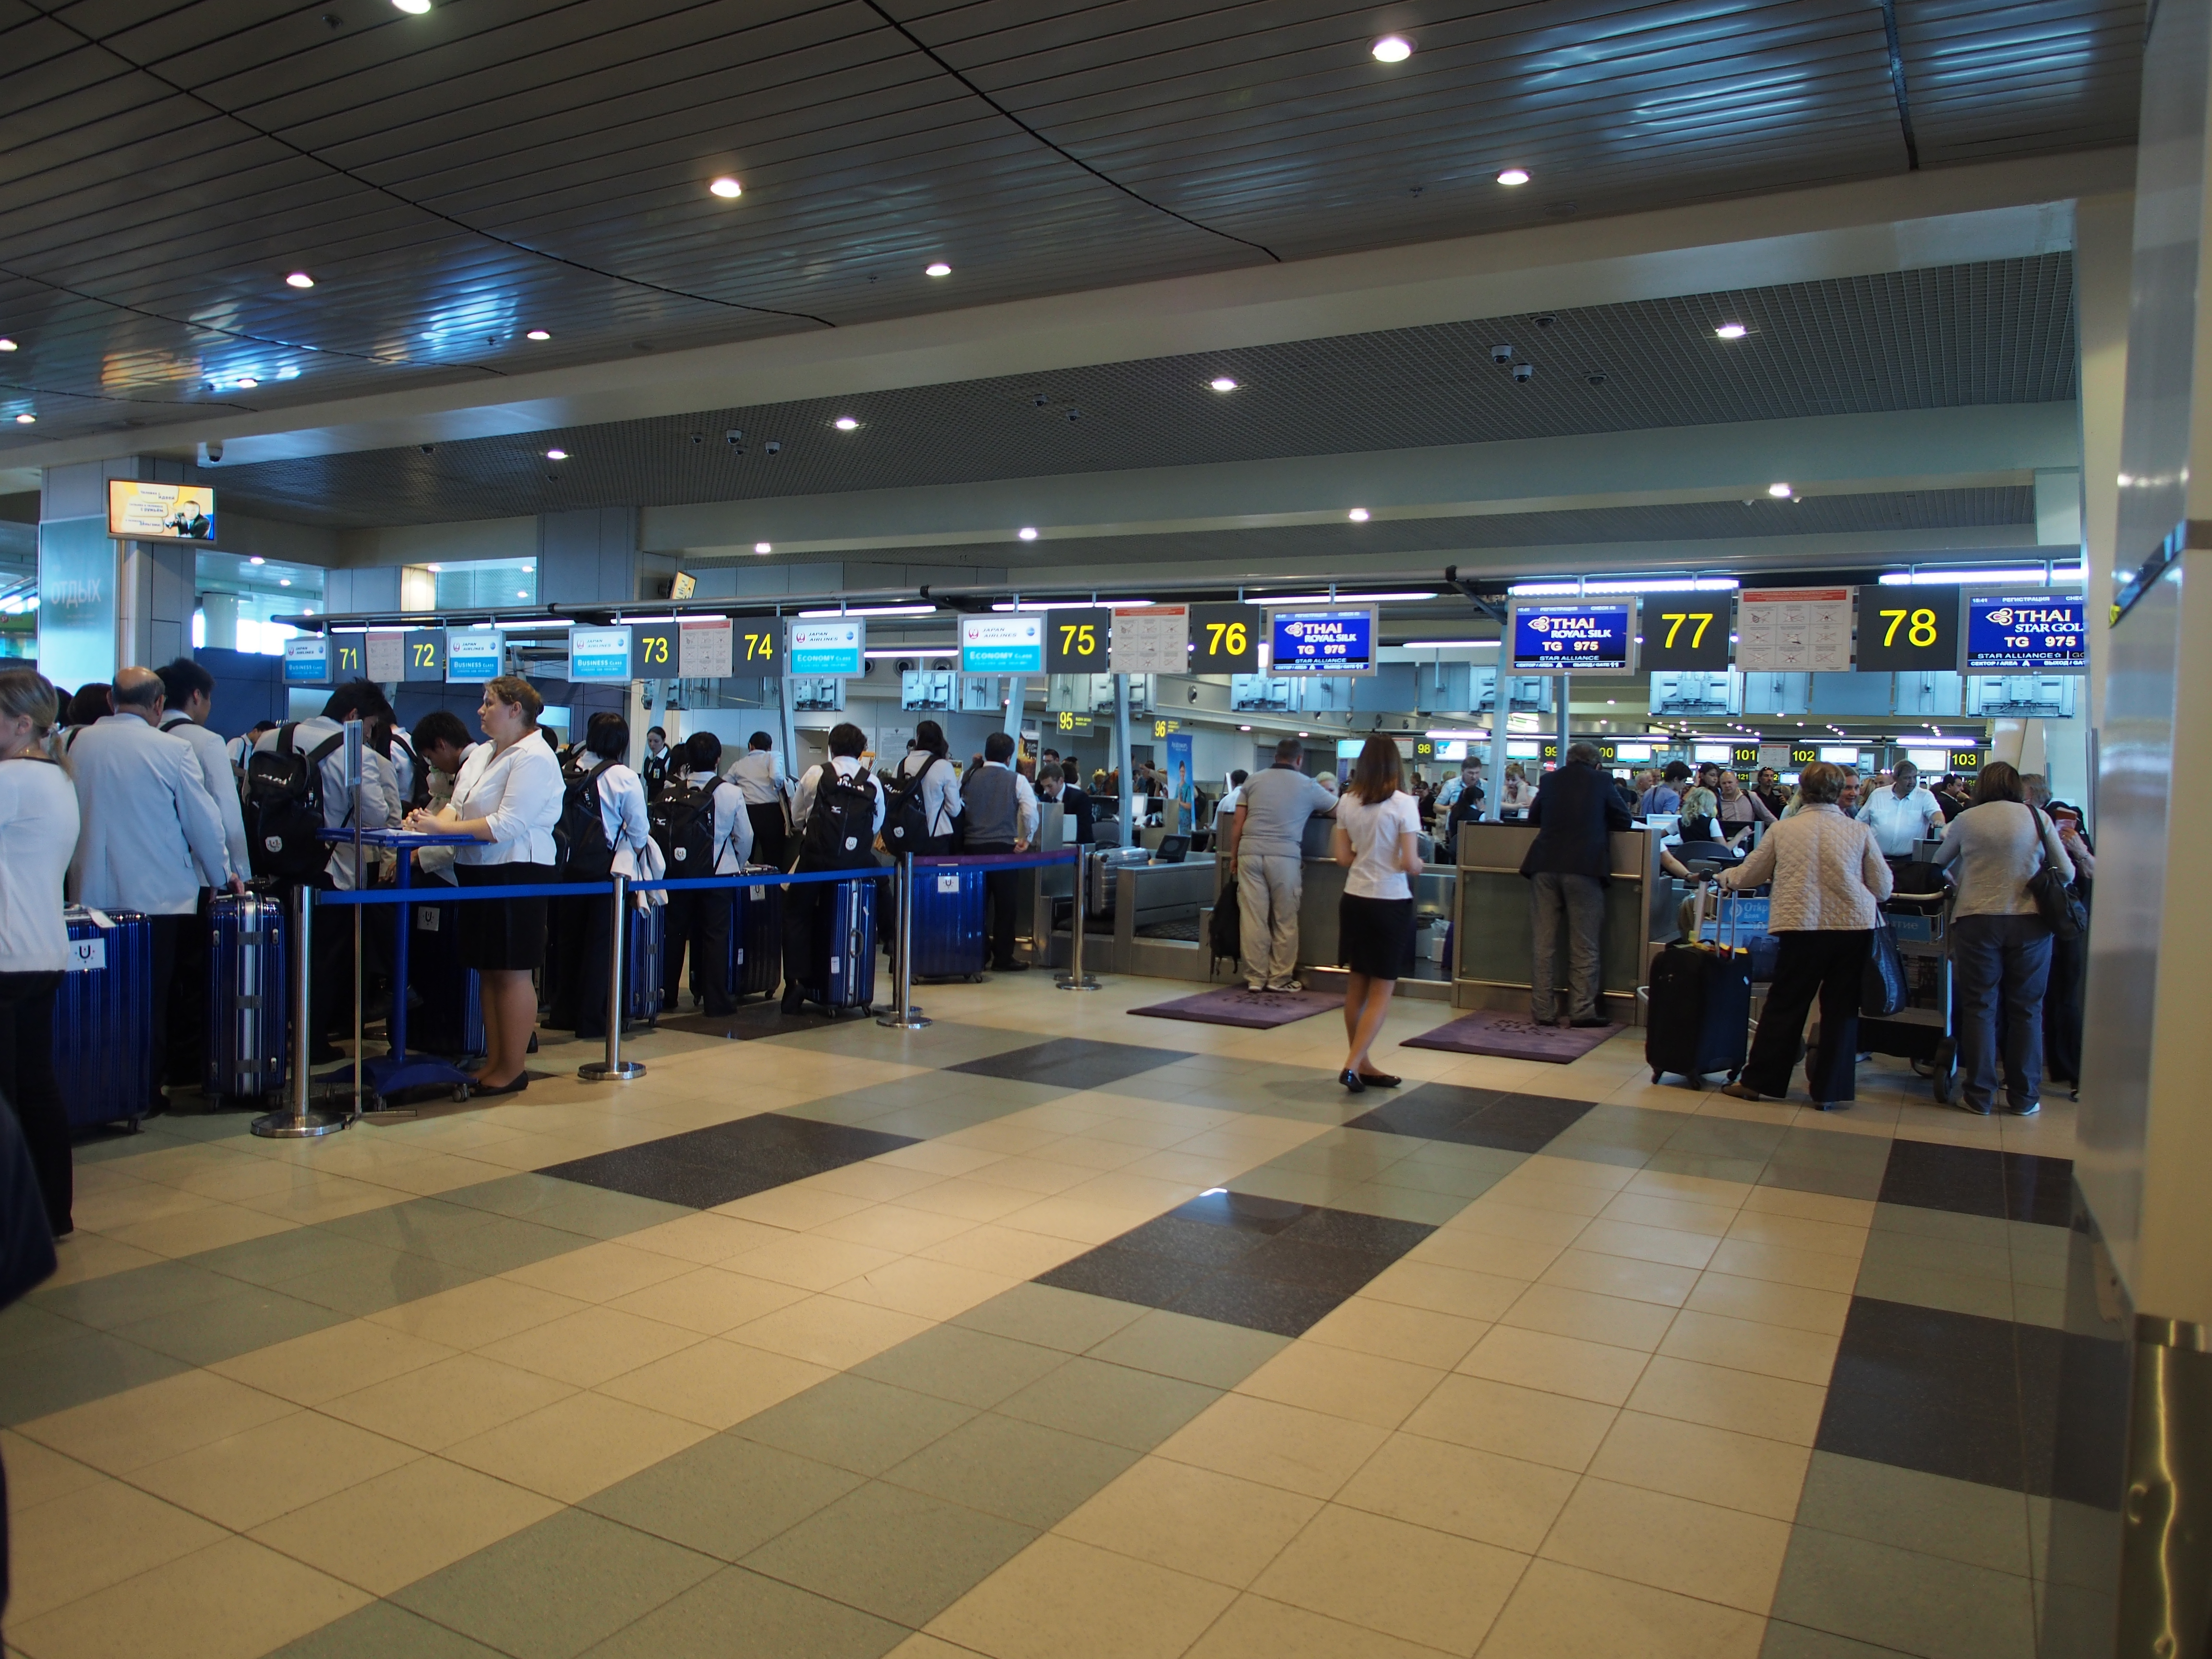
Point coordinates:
pixel 1317 916
pixel 1493 943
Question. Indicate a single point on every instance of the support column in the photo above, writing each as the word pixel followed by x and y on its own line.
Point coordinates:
pixel 2103 233
pixel 105 605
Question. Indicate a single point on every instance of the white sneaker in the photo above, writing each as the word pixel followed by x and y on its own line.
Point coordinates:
pixel 1291 985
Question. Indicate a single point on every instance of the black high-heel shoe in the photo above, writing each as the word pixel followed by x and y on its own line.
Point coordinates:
pixel 1352 1082
pixel 1380 1080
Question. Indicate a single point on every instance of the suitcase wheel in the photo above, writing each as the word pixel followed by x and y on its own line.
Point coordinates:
pixel 460 1091
pixel 1656 1074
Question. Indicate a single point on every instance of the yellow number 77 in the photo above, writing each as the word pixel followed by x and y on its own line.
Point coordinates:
pixel 1703 618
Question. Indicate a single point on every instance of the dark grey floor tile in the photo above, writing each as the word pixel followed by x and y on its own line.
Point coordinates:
pixel 1521 1123
pixel 1246 1212
pixel 1915 1435
pixel 77 1370
pixel 899 1554
pixel 1050 1318
pixel 738 1614
pixel 384 1631
pixel 724 1496
pixel 28 1326
pixel 855 1423
pixel 222 1330
pixel 1349 1231
pixel 360 1291
pixel 553 1589
pixel 700 1168
pixel 1788 1641
pixel 1019 1470
pixel 1196 1243
pixel 1982 1525
pixel 1147 1280
pixel 501 1245
pixel 1966 1179
pixel 1261 1304
pixel 1429 1112
pixel 1291 1259
pixel 1888 1597
pixel 1072 1062
pixel 1179 1345
pixel 114 1300
pixel 971 1367
pixel 1119 1404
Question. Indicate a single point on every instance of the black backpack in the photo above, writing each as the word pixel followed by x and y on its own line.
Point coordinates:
pixel 906 819
pixel 841 827
pixel 682 822
pixel 581 851
pixel 283 807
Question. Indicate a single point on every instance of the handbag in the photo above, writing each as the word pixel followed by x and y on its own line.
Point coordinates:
pixel 26 1239
pixel 1881 985
pixel 2064 912
pixel 1227 931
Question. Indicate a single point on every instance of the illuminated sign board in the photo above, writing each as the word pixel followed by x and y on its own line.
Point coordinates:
pixel 307 659
pixel 474 655
pixel 1337 641
pixel 2035 632
pixel 160 511
pixel 1908 630
pixel 1003 644
pixel 1562 638
pixel 1686 632
pixel 598 653
pixel 836 648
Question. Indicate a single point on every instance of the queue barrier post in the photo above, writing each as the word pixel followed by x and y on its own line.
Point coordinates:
pixel 614 1068
pixel 903 1015
pixel 302 1123
pixel 1075 979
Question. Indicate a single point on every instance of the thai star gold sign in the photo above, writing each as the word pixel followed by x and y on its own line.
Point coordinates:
pixel 160 511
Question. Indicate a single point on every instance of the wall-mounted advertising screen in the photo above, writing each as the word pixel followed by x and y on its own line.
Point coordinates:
pixel 1564 638
pixel 1339 639
pixel 2047 633
pixel 160 511
pixel 1003 643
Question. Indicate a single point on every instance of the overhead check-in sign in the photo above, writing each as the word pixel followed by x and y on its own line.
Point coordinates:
pixel 1908 630
pixel 837 647
pixel 474 655
pixel 1571 638
pixel 598 655
pixel 307 659
pixel 1003 643
pixel 2039 633
pixel 1686 632
pixel 1339 639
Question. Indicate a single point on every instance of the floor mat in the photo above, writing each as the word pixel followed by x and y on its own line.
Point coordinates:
pixel 1512 1036
pixel 1257 1010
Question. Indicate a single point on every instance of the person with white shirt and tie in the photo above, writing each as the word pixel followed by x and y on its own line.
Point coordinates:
pixel 508 796
pixel 188 696
pixel 151 837
pixel 761 781
pixel 1903 814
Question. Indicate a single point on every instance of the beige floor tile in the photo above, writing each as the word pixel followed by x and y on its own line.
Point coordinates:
pixel 389 1531
pixel 1727 1399
pixel 1444 1290
pixel 879 1184
pixel 1559 1198
pixel 1529 1424
pixel 92 1537
pixel 598 1272
pixel 1764 1227
pixel 1671 1543
pixel 1397 1332
pixel 1037 1175
pixel 326 1363
pixel 155 1420
pixel 84 1255
pixel 814 1262
pixel 1277 1445
pixel 1562 1613
pixel 433 1407
pixel 1817 1270
pixel 894 1227
pixel 1193 1520
pixel 38 1475
pixel 1257 1628
pixel 1616 1321
pixel 794 1208
pixel 1556 1365
pixel 248 1477
pixel 1059 1599
pixel 1683 1215
pixel 233 1600
pixel 716 1383
pixel 828 1330
pixel 939 1158
pixel 1768 1304
pixel 576 1446
pixel 589 1347
pixel 1487 1253
pixel 1698 1189
pixel 1504 1501
pixel 709 1301
pixel 1500 1220
pixel 929 1289
pixel 1065 1216
pixel 1577 1172
pixel 1363 1387
pixel 992 1248
pixel 110 1212
pixel 1714 1466
pixel 469 1316
pixel 970 1199
pixel 1811 1207
pixel 1770 1350
pixel 1405 1581
pixel 187 1232
pixel 705 1238
pixel 1622 1276
pixel 1666 1245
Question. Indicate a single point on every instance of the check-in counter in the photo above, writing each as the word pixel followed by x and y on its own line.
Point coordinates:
pixel 1318 912
pixel 1493 949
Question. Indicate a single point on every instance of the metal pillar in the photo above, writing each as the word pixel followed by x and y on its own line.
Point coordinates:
pixel 1017 687
pixel 903 1015
pixel 1075 979
pixel 301 1123
pixel 1566 719
pixel 614 1068
pixel 1122 763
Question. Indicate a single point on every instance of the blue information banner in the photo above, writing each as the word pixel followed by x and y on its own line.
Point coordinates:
pixel 1561 638
pixel 474 655
pixel 1337 641
pixel 1003 643
pixel 307 659
pixel 598 655
pixel 2035 631
pixel 837 647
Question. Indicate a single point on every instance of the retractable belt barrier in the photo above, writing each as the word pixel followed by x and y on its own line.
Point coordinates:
pixel 618 891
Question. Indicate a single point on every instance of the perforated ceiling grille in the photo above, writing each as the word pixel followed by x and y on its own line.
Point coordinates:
pixel 1963 335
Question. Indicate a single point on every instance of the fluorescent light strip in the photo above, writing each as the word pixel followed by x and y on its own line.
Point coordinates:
pixel 2065 575
pixel 1066 604
pixel 542 622
pixel 1447 645
pixel 1453 734
pixel 918 651
pixel 1334 598
pixel 1593 589
pixel 875 611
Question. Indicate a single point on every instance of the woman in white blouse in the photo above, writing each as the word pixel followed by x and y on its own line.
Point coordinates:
pixel 37 834
pixel 508 796
pixel 1378 840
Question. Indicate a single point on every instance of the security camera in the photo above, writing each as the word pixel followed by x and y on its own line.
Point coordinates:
pixel 215 451
pixel 1074 414
pixel 698 437
pixel 1040 400
pixel 1501 354
pixel 775 447
pixel 428 448
pixel 733 437
pixel 1524 372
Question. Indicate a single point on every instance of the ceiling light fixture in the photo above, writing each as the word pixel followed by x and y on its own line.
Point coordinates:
pixel 1222 383
pixel 1731 331
pixel 1393 49
pixel 1027 532
pixel 1512 176
pixel 247 382
pixel 412 8
pixel 1779 491
pixel 9 345
pixel 940 269
pixel 257 559
pixel 914 651
pixel 299 279
pixel 27 420
pixel 763 547
pixel 1358 516
pixel 537 334
pixel 726 187
pixel 288 372
pixel 874 610
pixel 283 581
pixel 1336 599
pixel 557 454
pixel 845 423
pixel 1064 605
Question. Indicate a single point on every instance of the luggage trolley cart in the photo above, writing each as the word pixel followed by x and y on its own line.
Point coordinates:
pixel 1923 1032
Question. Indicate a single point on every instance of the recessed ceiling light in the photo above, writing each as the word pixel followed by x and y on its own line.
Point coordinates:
pixel 1778 491
pixel 283 581
pixel 247 382
pixel 727 187
pixel 1222 383
pixel 1027 532
pixel 299 279
pixel 845 423
pixel 1393 49
pixel 412 8
pixel 435 568
pixel 940 269
pixel 287 374
pixel 521 592
pixel 1358 516
pixel 27 420
pixel 9 345
pixel 763 547
pixel 557 454
pixel 537 334
pixel 1731 331
pixel 1514 176
pixel 257 559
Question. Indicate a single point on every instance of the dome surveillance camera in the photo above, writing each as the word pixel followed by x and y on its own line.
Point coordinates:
pixel 1501 354
pixel 1524 372
pixel 214 448
pixel 774 447
pixel 733 437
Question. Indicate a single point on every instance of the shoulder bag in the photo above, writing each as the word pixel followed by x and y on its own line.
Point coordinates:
pixel 2054 901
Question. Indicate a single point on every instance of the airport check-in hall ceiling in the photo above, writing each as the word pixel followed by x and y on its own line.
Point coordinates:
pixel 452 181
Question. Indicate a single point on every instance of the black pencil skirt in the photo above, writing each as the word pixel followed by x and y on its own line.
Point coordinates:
pixel 499 934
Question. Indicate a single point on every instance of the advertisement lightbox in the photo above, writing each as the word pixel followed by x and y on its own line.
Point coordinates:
pixel 160 511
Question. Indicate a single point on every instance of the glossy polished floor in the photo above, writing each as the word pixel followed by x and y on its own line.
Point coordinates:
pixel 1048 1331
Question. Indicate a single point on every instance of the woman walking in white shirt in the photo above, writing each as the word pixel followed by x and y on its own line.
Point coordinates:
pixel 37 834
pixel 508 796
pixel 1378 840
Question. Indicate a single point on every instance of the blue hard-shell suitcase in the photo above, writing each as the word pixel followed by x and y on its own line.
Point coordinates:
pixel 449 1019
pixel 641 961
pixel 845 947
pixel 948 936
pixel 757 942
pixel 104 1019
pixel 247 997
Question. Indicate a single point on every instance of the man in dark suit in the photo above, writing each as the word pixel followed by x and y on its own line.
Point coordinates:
pixel 1575 810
